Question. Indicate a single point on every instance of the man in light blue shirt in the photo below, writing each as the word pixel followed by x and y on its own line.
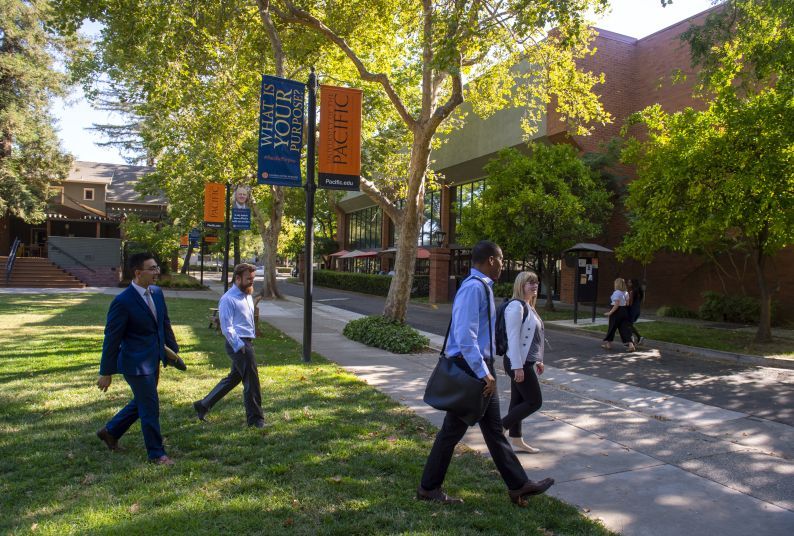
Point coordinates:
pixel 471 344
pixel 236 313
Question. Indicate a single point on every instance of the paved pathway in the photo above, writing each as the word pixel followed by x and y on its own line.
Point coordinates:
pixel 658 366
pixel 644 462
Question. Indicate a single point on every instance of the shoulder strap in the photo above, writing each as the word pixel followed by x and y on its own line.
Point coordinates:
pixel 488 307
pixel 490 335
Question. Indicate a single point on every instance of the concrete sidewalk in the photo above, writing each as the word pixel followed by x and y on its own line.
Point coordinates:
pixel 642 462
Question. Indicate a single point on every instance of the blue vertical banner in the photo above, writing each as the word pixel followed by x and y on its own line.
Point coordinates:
pixel 281 113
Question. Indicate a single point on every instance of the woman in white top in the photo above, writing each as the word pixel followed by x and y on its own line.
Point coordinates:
pixel 525 339
pixel 619 317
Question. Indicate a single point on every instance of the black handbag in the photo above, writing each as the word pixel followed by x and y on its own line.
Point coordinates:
pixel 453 387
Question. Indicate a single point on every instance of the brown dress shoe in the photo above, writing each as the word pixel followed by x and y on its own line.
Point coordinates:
pixel 518 496
pixel 436 495
pixel 110 441
pixel 162 460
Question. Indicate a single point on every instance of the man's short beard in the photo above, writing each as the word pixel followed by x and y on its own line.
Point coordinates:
pixel 246 290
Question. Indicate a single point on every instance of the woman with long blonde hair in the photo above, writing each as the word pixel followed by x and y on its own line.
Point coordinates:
pixel 523 360
pixel 619 317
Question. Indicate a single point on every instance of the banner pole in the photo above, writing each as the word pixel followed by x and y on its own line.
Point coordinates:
pixel 201 254
pixel 308 275
pixel 226 246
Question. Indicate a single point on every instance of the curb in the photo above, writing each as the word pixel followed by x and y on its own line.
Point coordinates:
pixel 696 352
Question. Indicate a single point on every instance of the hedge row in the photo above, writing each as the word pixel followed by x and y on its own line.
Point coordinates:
pixel 367 283
pixel 720 308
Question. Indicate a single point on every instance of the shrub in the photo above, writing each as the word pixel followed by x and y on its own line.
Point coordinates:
pixel 381 332
pixel 730 308
pixel 675 311
pixel 367 283
pixel 503 290
pixel 179 281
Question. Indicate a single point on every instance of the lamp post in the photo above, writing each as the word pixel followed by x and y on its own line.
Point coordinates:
pixel 438 238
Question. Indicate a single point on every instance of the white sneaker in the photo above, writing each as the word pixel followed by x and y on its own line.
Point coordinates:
pixel 519 445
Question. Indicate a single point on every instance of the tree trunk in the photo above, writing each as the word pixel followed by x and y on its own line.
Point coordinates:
pixel 764 333
pixel 236 248
pixel 270 233
pixel 405 261
pixel 548 280
pixel 186 264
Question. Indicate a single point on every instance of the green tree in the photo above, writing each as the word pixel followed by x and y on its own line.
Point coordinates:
pixel 538 204
pixel 722 179
pixel 30 155
pixel 158 238
pixel 425 59
pixel 715 181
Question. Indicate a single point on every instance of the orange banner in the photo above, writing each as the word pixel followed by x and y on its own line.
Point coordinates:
pixel 214 205
pixel 340 138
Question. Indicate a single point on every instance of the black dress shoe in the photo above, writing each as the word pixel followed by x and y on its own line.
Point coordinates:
pixel 110 441
pixel 258 424
pixel 201 411
pixel 518 496
pixel 436 495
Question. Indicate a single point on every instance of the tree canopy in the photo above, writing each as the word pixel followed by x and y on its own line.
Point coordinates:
pixel 425 59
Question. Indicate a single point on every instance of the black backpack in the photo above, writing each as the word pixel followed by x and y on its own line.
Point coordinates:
pixel 501 329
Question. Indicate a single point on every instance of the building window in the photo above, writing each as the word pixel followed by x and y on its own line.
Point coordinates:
pixel 432 218
pixel 363 228
pixel 88 194
pixel 465 194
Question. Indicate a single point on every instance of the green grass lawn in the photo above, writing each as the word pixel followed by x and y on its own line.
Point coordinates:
pixel 713 338
pixel 339 458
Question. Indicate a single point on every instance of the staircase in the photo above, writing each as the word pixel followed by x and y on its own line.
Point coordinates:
pixel 36 272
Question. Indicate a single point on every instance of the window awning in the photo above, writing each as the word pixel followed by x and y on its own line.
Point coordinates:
pixel 356 254
pixel 339 253
pixel 421 253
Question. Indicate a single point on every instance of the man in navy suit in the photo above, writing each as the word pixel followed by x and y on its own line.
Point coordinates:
pixel 136 333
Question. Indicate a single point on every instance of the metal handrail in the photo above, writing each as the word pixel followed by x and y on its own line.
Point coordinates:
pixel 12 257
pixel 51 245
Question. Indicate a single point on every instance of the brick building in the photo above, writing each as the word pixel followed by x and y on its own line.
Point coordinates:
pixel 639 72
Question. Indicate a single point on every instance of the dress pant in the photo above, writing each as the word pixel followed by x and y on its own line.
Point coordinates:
pixel 619 321
pixel 452 432
pixel 144 405
pixel 525 397
pixel 243 370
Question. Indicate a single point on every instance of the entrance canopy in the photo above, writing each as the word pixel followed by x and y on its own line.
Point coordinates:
pixel 421 253
pixel 584 246
pixel 356 254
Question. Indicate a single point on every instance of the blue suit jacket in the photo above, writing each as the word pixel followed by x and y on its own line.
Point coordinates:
pixel 134 342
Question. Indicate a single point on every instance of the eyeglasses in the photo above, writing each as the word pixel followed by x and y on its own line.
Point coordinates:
pixel 154 268
pixel 532 283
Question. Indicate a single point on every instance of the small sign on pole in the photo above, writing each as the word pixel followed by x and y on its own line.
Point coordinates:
pixel 340 138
